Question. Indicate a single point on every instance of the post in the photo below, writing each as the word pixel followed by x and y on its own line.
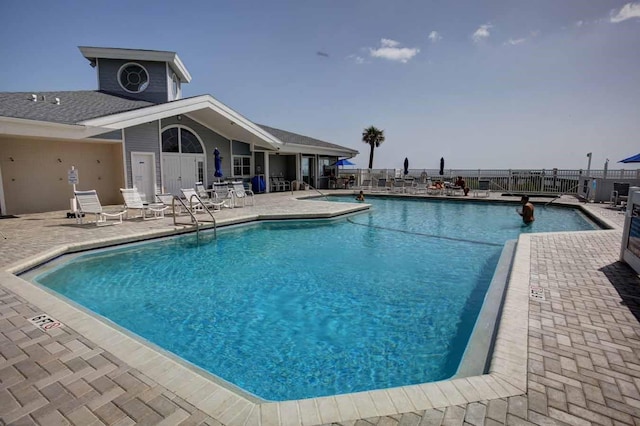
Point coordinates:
pixel 73 180
pixel 589 164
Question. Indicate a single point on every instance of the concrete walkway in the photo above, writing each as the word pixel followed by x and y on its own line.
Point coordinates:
pixel 580 364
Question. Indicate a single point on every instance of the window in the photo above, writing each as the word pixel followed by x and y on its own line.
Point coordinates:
pixel 200 171
pixel 178 139
pixel 175 86
pixel 241 165
pixel 133 78
pixel 189 143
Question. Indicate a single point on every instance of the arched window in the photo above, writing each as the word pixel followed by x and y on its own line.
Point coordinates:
pixel 181 140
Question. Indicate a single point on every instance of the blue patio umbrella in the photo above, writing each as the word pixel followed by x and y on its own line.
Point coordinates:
pixel 406 166
pixel 343 162
pixel 632 159
pixel 218 163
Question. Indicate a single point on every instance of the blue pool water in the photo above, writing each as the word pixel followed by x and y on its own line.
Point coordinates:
pixel 289 310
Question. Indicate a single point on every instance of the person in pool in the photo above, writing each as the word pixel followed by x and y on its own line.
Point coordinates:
pixel 360 196
pixel 527 210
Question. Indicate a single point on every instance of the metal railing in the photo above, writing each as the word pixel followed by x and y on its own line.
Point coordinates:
pixel 191 212
pixel 531 181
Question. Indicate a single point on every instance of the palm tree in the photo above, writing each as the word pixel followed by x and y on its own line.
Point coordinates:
pixel 374 137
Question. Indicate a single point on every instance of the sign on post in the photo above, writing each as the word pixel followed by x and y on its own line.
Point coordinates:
pixel 72 176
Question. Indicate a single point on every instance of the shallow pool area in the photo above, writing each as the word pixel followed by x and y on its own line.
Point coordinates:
pixel 292 310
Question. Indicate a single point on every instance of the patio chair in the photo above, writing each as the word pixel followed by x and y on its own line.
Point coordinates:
pixel 436 188
pixel 366 185
pixel 419 188
pixel 89 203
pixel 202 192
pixel 196 204
pixel 222 192
pixel 242 194
pixel 483 187
pixel 285 184
pixel 620 193
pixel 381 186
pixel 167 201
pixel 398 186
pixel 133 201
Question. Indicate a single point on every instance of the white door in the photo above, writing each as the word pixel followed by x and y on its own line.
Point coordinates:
pixel 143 171
pixel 171 170
pixel 181 171
pixel 188 171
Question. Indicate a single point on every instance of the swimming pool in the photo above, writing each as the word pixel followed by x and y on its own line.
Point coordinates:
pixel 293 310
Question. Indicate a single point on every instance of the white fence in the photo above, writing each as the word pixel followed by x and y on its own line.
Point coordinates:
pixel 541 181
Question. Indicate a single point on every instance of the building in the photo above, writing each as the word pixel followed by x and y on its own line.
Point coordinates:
pixel 137 130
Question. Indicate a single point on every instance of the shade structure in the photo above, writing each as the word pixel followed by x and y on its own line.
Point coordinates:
pixel 218 163
pixel 406 166
pixel 441 172
pixel 632 159
pixel 343 162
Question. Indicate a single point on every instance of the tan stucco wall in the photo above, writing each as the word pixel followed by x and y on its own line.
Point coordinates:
pixel 35 181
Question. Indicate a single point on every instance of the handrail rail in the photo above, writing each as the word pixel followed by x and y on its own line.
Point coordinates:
pixel 207 210
pixel 193 217
pixel 318 191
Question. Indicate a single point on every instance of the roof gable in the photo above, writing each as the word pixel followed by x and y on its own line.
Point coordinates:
pixel 74 106
pixel 297 139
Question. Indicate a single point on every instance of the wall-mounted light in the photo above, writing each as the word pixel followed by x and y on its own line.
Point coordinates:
pixel 98 161
pixel 179 118
pixel 59 160
pixel 11 159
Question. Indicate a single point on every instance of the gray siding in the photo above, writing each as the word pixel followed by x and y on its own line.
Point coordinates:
pixel 142 138
pixel 115 135
pixel 157 90
pixel 211 141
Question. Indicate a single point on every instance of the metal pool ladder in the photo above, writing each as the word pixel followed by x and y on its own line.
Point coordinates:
pixel 193 216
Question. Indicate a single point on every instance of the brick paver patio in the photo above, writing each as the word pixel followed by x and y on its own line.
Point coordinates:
pixel 583 340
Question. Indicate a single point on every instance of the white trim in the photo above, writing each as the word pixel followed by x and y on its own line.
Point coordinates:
pixel 153 165
pixel 94 53
pixel 292 148
pixel 3 205
pixel 97 68
pixel 202 145
pixel 124 162
pixel 183 106
pixel 250 157
pixel 161 162
pixel 46 129
pixel 126 64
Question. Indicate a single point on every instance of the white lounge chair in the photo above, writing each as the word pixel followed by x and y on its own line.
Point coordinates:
pixel 483 188
pixel 89 203
pixel 222 192
pixel 241 194
pixel 196 204
pixel 133 201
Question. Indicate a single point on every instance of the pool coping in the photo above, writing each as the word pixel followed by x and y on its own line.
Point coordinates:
pixel 506 377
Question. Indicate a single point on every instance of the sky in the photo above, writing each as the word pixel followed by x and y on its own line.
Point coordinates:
pixel 486 84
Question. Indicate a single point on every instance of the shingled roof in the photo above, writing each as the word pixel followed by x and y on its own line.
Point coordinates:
pixel 294 138
pixel 75 106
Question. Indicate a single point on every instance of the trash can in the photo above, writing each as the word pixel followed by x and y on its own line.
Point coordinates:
pixel 258 184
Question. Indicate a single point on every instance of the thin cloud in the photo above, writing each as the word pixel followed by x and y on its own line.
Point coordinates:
pixel 481 33
pixel 357 59
pixel 579 24
pixel 434 36
pixel 391 50
pixel 513 42
pixel 628 11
